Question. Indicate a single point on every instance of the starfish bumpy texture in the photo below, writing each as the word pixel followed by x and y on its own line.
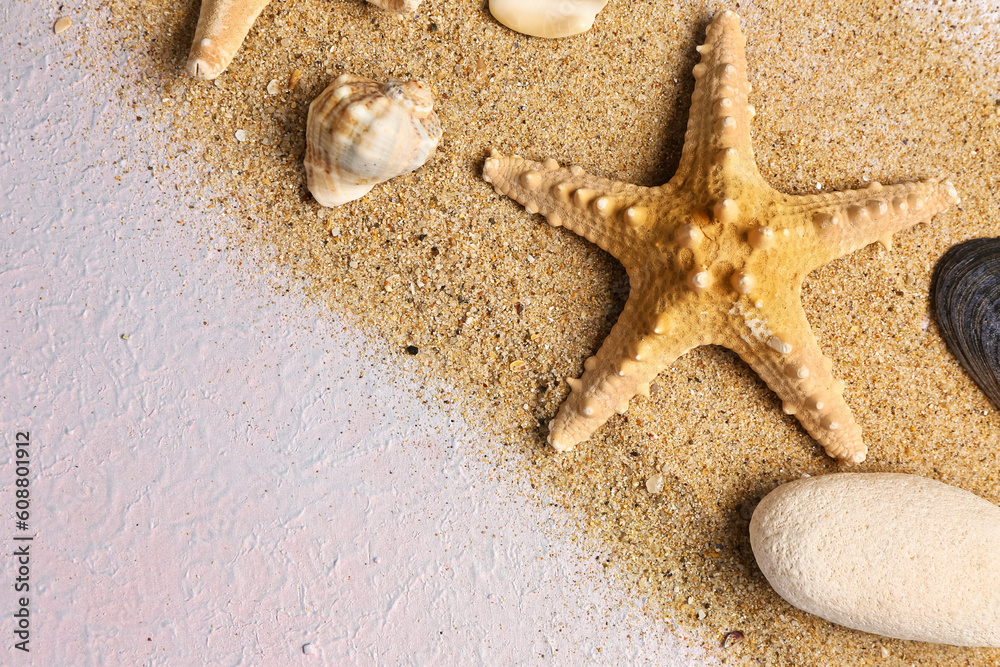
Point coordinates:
pixel 715 256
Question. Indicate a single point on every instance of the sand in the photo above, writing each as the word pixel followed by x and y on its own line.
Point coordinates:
pixel 436 263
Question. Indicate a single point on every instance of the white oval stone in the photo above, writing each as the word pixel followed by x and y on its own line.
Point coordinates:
pixel 895 555
pixel 547 18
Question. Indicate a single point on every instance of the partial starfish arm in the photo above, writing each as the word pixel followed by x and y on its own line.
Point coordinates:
pixel 632 355
pixel 222 27
pixel 605 212
pixel 717 155
pixel 224 24
pixel 778 344
pixel 842 222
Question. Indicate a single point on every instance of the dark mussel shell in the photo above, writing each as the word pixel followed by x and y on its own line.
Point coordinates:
pixel 966 290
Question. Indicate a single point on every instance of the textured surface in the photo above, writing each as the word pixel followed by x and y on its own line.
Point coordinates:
pixel 715 256
pixel 846 93
pixel 221 477
pixel 896 555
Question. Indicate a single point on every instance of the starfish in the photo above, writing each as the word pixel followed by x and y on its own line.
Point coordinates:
pixel 224 24
pixel 715 256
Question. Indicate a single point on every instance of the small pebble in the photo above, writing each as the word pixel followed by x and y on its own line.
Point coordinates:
pixel 293 79
pixel 654 483
pixel 896 555
pixel 273 87
pixel 62 25
pixel 547 18
pixel 241 135
pixel 310 649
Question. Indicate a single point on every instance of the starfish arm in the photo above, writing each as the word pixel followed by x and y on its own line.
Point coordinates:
pixel 222 27
pixel 717 156
pixel 629 359
pixel 605 212
pixel 842 222
pixel 778 344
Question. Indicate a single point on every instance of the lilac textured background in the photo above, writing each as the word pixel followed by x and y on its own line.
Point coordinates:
pixel 214 480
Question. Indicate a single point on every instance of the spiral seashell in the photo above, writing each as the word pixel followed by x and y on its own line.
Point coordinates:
pixel 361 133
pixel 967 307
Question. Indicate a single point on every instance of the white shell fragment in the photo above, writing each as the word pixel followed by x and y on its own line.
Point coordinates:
pixel 895 555
pixel 547 18
pixel 397 6
pixel 654 483
pixel 361 133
